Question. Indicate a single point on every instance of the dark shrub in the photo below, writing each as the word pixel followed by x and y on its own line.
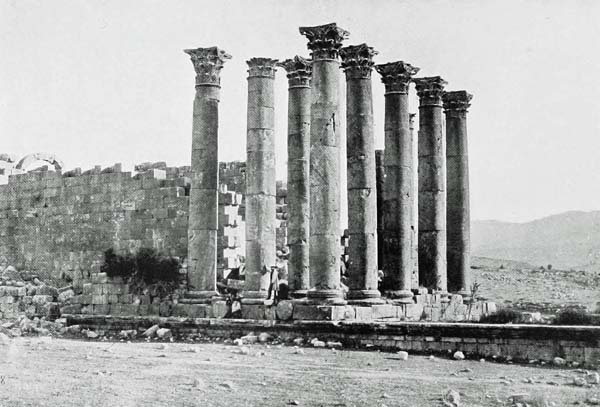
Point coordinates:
pixel 572 316
pixel 503 316
pixel 144 270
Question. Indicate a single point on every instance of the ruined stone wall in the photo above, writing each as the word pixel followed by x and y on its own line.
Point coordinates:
pixel 57 225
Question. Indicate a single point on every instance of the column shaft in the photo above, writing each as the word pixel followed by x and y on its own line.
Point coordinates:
pixel 432 186
pixel 458 209
pixel 415 207
pixel 324 42
pixel 399 191
pixel 203 207
pixel 260 180
pixel 380 174
pixel 357 63
pixel 299 98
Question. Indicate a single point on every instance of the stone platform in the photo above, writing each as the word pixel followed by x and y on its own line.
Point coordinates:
pixel 512 342
pixel 427 308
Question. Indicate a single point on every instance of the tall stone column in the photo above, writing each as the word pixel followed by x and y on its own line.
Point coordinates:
pixel 399 192
pixel 324 42
pixel 380 176
pixel 432 185
pixel 298 72
pixel 357 63
pixel 458 210
pixel 415 209
pixel 203 209
pixel 260 180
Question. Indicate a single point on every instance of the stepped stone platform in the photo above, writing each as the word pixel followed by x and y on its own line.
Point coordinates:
pixel 520 343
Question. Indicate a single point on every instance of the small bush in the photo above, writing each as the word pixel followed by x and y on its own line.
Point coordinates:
pixel 573 316
pixel 146 270
pixel 503 316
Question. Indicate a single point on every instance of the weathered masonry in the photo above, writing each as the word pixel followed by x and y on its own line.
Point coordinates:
pixel 406 249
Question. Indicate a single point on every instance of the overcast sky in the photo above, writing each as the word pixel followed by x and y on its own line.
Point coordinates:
pixel 100 82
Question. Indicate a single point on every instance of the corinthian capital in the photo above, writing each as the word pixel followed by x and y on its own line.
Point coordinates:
pixel 396 76
pixel 262 67
pixel 324 41
pixel 208 63
pixel 299 71
pixel 457 102
pixel 357 61
pixel 430 90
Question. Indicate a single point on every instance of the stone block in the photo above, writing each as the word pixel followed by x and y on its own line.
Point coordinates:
pixel 143 310
pixel 219 309
pixel 199 310
pixel 363 313
pixel 126 298
pixel 284 310
pixel 413 312
pixel 99 299
pixel 86 299
pixel 254 311
pixel 101 309
pixel 129 309
pixel 306 312
pixel 88 288
pixel 153 309
pixel 113 298
pixel 164 309
pixel 383 311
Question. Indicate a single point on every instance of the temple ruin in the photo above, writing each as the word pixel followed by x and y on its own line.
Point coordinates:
pixel 406 251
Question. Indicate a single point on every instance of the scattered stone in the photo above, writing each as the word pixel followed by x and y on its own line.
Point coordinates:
pixel 431 357
pixel 318 344
pixel 559 361
pixel 4 339
pixel 593 378
pixel 299 341
pixel 264 337
pixel 150 332
pixel 238 342
pixel 458 355
pixel 228 384
pixel 452 397
pixel 403 355
pixel 91 335
pixel 331 344
pixel 299 352
pixel 579 381
pixel 164 333
pixel 593 401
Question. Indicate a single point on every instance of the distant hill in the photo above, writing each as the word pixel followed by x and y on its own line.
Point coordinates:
pixel 567 240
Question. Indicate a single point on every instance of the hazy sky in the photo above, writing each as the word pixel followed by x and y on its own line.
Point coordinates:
pixel 100 82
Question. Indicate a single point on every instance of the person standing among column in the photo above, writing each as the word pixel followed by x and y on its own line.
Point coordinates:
pixel 399 192
pixel 203 209
pixel 458 209
pixel 357 63
pixel 260 181
pixel 325 42
pixel 432 186
pixel 298 72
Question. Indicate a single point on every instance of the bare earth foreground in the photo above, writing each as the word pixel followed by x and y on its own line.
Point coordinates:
pixel 62 372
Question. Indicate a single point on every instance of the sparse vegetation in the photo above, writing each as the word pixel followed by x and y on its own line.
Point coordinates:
pixel 572 316
pixel 503 316
pixel 145 271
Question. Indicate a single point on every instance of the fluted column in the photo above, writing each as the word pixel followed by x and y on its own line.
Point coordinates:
pixel 458 210
pixel 203 209
pixel 324 42
pixel 260 180
pixel 298 72
pixel 399 190
pixel 432 185
pixel 357 63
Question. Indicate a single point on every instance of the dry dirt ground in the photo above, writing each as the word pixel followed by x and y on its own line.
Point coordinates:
pixel 62 372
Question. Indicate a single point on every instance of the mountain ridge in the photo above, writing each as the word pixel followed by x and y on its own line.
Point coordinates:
pixel 568 240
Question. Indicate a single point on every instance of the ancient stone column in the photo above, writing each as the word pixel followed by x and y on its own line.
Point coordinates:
pixel 260 180
pixel 415 209
pixel 203 209
pixel 298 72
pixel 357 63
pixel 457 212
pixel 399 191
pixel 432 185
pixel 380 176
pixel 324 42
